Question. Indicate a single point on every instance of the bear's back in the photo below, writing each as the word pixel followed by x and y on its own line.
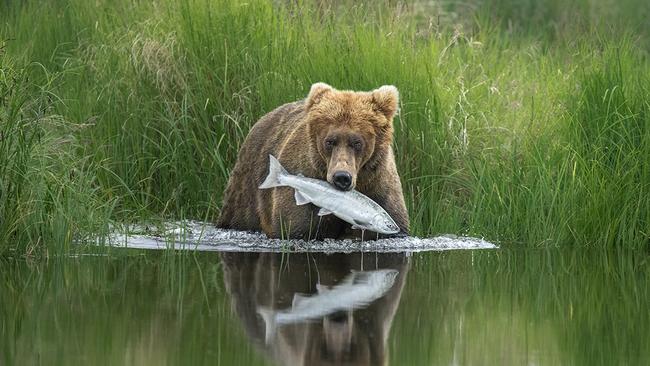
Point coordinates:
pixel 265 138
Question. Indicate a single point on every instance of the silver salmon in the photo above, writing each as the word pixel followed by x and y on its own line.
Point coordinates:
pixel 350 206
pixel 358 289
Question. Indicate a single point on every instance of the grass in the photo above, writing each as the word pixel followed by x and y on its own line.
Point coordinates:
pixel 47 190
pixel 513 307
pixel 522 122
pixel 506 307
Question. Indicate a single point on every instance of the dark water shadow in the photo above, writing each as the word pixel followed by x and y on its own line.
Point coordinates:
pixel 355 336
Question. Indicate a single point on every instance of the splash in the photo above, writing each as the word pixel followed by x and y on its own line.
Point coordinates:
pixel 201 236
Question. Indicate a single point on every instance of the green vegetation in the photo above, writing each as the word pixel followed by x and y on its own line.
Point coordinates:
pixel 506 307
pixel 514 307
pixel 522 122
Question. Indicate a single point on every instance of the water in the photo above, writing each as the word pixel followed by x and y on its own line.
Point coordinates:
pixel 460 307
pixel 196 235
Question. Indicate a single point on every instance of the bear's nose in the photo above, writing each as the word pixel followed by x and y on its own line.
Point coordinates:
pixel 342 180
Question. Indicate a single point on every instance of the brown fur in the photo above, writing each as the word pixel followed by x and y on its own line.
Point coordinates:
pixel 329 131
pixel 270 280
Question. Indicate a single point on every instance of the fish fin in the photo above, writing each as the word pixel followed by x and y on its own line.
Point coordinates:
pixel 275 171
pixel 322 288
pixel 268 315
pixel 297 299
pixel 359 225
pixel 301 199
pixel 324 212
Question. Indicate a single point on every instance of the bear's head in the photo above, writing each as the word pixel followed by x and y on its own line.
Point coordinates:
pixel 349 131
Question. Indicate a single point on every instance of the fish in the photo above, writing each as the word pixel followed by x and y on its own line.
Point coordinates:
pixel 356 290
pixel 351 206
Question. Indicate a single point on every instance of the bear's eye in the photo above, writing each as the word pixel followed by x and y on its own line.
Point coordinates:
pixel 356 145
pixel 329 144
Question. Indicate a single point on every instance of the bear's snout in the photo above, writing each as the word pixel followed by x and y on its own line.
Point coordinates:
pixel 342 180
pixel 341 170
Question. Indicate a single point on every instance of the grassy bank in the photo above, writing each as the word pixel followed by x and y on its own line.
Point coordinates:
pixel 526 123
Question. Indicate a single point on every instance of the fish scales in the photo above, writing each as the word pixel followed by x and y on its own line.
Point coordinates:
pixel 351 206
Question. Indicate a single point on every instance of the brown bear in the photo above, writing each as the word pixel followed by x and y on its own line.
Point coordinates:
pixel 272 280
pixel 344 137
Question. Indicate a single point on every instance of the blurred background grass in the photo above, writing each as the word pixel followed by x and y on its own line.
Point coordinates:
pixel 524 122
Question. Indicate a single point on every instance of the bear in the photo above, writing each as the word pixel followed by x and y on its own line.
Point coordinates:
pixel 358 336
pixel 343 137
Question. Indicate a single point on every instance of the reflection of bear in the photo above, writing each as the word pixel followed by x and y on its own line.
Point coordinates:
pixel 342 136
pixel 271 280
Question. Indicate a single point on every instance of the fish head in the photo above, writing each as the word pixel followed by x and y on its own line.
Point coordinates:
pixel 391 274
pixel 383 278
pixel 382 223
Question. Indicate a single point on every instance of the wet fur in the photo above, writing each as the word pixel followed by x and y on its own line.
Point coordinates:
pixel 294 134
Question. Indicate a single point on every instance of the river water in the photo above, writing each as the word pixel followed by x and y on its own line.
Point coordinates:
pixel 488 306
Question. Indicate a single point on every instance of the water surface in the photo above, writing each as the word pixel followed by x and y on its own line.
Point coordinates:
pixel 204 236
pixel 485 307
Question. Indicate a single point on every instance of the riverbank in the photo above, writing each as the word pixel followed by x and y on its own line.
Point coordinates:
pixel 520 128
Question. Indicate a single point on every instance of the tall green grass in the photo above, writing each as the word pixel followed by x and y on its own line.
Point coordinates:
pixel 48 192
pixel 510 128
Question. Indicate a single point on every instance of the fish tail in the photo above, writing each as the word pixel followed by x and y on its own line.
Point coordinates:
pixel 270 324
pixel 275 171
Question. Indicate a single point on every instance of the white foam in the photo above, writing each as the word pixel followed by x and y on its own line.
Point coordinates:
pixel 201 236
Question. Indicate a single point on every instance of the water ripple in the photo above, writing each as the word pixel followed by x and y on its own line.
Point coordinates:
pixel 201 236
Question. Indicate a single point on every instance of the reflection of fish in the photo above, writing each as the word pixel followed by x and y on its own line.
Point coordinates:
pixel 351 206
pixel 358 289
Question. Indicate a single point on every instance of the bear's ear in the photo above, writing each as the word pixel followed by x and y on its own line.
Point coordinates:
pixel 316 94
pixel 385 100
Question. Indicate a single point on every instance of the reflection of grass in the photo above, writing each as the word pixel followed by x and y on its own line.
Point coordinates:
pixel 156 308
pixel 516 307
pixel 516 124
pixel 568 307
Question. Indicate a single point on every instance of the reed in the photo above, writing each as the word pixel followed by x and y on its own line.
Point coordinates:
pixel 524 123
